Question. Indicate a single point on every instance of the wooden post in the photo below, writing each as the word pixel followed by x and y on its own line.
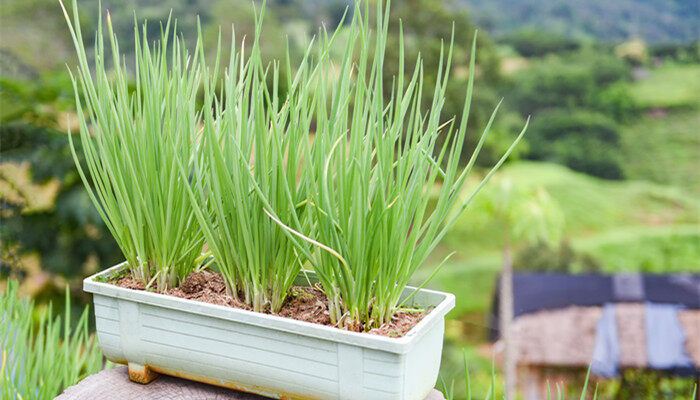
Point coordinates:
pixel 532 385
pixel 506 317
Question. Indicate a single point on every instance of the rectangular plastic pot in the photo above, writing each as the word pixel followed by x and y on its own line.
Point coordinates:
pixel 266 354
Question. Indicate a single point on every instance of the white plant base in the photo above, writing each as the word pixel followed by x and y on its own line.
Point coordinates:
pixel 265 354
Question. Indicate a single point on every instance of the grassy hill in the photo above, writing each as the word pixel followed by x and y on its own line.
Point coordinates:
pixel 664 150
pixel 669 86
pixel 665 147
pixel 590 205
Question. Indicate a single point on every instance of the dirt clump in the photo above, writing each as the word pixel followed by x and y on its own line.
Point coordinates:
pixel 304 303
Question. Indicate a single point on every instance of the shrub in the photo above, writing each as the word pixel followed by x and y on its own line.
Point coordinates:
pixel 667 252
pixel 551 82
pixel 572 80
pixel 582 140
pixel 615 101
pixel 681 53
pixel 537 43
pixel 562 258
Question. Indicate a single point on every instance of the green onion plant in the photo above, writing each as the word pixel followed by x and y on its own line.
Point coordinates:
pixel 132 138
pixel 372 168
pixel 254 140
pixel 40 359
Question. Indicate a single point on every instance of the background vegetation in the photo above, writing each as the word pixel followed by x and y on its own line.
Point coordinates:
pixel 612 88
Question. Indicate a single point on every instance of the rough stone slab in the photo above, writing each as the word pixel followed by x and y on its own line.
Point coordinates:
pixel 115 384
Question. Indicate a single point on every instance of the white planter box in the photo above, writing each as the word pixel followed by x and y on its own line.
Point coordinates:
pixel 265 354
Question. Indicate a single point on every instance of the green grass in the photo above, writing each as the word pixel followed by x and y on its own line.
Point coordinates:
pixel 468 375
pixel 495 391
pixel 664 150
pixel 482 373
pixel 671 86
pixel 40 359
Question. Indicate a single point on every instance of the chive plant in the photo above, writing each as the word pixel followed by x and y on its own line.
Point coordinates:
pixel 372 169
pixel 39 360
pixel 254 140
pixel 132 137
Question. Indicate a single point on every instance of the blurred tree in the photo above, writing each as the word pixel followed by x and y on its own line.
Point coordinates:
pixel 49 228
pixel 576 100
pixel 184 13
pixel 537 43
pixel 543 257
pixel 633 51
pixel 316 12
pixel 615 101
pixel 570 80
pixel 582 140
pixel 41 49
pixel 524 216
pixel 683 53
pixel 50 47
pixel 225 15
pixel 605 20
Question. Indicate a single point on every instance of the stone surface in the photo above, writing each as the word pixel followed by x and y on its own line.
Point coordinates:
pixel 115 384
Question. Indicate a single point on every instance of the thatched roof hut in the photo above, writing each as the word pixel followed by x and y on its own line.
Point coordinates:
pixel 566 337
pixel 557 316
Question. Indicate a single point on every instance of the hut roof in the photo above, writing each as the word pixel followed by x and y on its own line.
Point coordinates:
pixel 538 291
pixel 566 336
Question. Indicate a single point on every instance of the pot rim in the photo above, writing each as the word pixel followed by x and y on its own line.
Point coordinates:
pixel 399 345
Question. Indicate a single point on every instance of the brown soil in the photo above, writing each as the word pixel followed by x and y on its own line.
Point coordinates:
pixel 304 303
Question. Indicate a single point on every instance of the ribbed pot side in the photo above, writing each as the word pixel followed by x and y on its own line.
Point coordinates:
pixel 264 354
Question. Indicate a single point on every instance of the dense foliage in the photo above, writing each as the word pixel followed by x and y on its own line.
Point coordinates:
pixel 576 102
pixel 45 209
pixel 536 43
pixel 562 258
pixel 581 140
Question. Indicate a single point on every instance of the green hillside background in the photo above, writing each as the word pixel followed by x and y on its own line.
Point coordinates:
pixel 656 21
pixel 611 88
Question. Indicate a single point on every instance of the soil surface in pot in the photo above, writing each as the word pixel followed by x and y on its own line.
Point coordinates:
pixel 304 303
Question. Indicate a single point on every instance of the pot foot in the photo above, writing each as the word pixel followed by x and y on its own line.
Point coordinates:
pixel 141 373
